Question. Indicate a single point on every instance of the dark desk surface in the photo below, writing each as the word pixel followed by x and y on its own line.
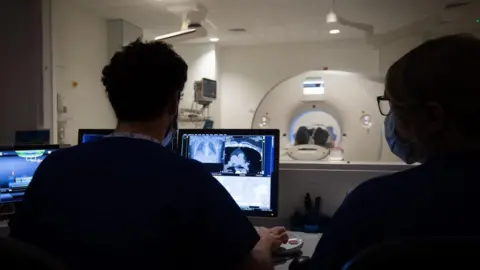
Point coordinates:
pixel 3 229
pixel 309 244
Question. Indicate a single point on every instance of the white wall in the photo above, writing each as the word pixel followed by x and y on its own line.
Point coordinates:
pixel 80 48
pixel 246 74
pixel 390 53
pixel 79 45
pixel 121 33
pixel 202 63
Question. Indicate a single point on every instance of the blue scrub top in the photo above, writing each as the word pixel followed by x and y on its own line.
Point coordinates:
pixel 131 203
pixel 440 198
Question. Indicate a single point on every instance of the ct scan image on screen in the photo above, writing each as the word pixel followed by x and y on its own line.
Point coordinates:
pixel 206 149
pixel 244 155
pixel 243 164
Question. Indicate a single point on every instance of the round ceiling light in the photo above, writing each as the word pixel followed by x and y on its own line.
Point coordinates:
pixel 334 31
pixel 214 39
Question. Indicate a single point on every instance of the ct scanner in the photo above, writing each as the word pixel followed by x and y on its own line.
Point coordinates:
pixel 344 104
pixel 338 102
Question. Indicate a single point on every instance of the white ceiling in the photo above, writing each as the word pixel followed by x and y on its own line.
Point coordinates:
pixel 270 21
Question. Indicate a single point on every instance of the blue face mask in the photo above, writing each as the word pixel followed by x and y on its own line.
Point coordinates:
pixel 168 138
pixel 171 132
pixel 403 150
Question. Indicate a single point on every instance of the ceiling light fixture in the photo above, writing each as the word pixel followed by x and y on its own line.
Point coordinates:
pixel 191 28
pixel 214 39
pixel 332 17
pixel 175 34
pixel 334 31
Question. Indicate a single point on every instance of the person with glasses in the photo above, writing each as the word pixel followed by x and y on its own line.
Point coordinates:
pixel 431 107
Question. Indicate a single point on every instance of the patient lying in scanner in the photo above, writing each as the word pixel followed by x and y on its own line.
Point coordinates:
pixel 317 136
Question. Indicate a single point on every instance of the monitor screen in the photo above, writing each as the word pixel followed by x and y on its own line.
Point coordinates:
pixel 32 137
pixel 92 135
pixel 245 162
pixel 209 88
pixel 17 166
pixel 208 124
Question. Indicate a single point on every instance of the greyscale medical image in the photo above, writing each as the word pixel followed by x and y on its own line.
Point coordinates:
pixel 243 154
pixel 207 149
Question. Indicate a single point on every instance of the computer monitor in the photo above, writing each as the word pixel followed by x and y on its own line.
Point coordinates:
pixel 32 137
pixel 92 135
pixel 205 91
pixel 17 166
pixel 244 161
pixel 208 124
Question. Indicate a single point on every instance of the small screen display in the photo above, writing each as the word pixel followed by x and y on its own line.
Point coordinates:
pixel 209 88
pixel 86 138
pixel 92 135
pixel 16 171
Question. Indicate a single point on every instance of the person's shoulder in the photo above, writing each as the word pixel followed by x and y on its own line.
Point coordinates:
pixel 190 166
pixel 153 157
pixel 65 153
pixel 403 176
pixel 386 185
pixel 57 155
pixel 154 153
pixel 115 146
pixel 58 160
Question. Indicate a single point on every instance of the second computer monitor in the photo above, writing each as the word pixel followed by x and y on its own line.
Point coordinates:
pixel 17 167
pixel 32 137
pixel 92 135
pixel 244 161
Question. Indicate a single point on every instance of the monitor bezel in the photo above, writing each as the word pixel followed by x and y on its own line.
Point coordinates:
pixel 18 132
pixel 82 132
pixel 274 190
pixel 30 147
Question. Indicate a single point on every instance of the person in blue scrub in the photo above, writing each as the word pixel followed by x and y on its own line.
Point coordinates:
pixel 433 95
pixel 128 202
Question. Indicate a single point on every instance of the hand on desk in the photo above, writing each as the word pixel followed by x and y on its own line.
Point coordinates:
pixel 272 237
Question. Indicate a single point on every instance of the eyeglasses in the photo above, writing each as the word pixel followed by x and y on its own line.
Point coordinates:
pixel 383 105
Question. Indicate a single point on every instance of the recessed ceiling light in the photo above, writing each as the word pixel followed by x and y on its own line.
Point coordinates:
pixel 334 31
pixel 214 39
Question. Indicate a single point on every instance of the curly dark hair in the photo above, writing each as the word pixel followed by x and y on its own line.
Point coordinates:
pixel 143 80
